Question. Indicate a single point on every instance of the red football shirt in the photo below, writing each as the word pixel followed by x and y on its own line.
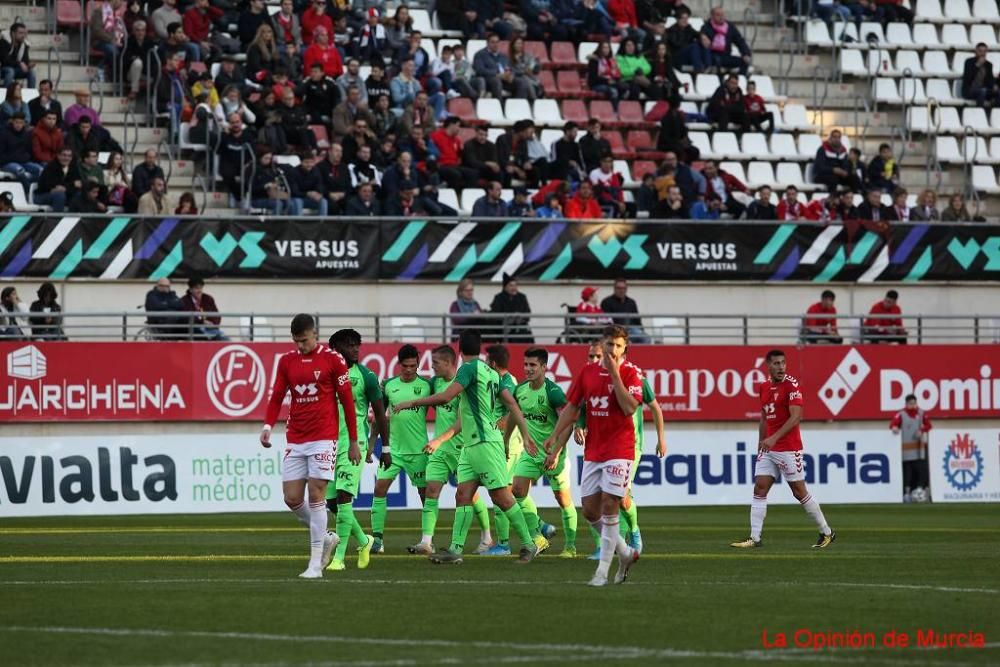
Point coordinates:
pixel 317 380
pixel 883 322
pixel 775 399
pixel 610 432
pixel 819 322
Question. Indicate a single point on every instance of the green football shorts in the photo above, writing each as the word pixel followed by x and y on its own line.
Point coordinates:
pixel 484 463
pixel 533 467
pixel 414 465
pixel 443 463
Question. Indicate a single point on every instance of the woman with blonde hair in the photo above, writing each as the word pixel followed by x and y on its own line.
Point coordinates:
pixel 263 54
pixel 926 208
pixel 466 307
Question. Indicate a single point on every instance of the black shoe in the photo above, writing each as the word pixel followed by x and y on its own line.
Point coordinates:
pixel 825 540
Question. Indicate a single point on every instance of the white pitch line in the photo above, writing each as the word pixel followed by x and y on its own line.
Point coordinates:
pixel 849 584
pixel 593 651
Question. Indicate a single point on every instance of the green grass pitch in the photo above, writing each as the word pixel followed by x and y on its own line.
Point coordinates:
pixel 222 589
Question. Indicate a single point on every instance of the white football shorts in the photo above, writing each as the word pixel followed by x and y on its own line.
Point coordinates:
pixel 789 464
pixel 309 460
pixel 612 477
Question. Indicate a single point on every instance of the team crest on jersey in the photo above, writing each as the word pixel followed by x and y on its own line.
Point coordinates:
pixel 541 401
pixel 417 390
pixel 316 374
pixel 354 381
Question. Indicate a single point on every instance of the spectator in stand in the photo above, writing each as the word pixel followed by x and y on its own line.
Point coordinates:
pixel 926 208
pixel 79 109
pixel 178 42
pixel 16 152
pixel 313 18
pixel 195 300
pixel 108 31
pixel 551 209
pixel 565 155
pixel 418 114
pixel 646 197
pixel 156 202
pixel 688 47
pixel 604 76
pixel 386 123
pixel 625 18
pixel 709 208
pixel 900 209
pixel 186 205
pixel 624 311
pixel 46 139
pixel 726 106
pixel 449 147
pixel 308 191
pixel 892 11
pixel 376 83
pixel 520 206
pixel 609 188
pixel 583 205
pixel 979 83
pixel 362 170
pixel 490 205
pixel 542 22
pixel 14 104
pixel 872 209
pixel 251 20
pixel 233 156
pixel 12 315
pixel 912 426
pixel 634 68
pixel 352 77
pixel 136 59
pixel 722 35
pixel 323 51
pixel 479 155
pixel 162 299
pixel 464 308
pixel 399 28
pixel 761 208
pixel 956 211
pixel 319 94
pixel 198 26
pixel 720 182
pixel 497 73
pixel 587 311
pixel 287 29
pixel 593 146
pixel 831 167
pixel 790 208
pixel 15 57
pixel 145 172
pixel 47 325
pixel 526 68
pixel 406 88
pixel 514 304
pixel 884 323
pixel 883 171
pixel 465 82
pixel 232 103
pixel 371 44
pixel 116 183
pixel 820 323
pixel 134 12
pixel 856 167
pixel 295 121
pixel 828 10
pixel 88 200
pixel 443 69
pixel 691 183
pixel 86 135
pixel 336 179
pixel 164 15
pixel 172 91
pixel 673 135
pixel 664 82
pixel 845 209
pixel 59 182
pixel 672 206
pixel 267 190
pixel 364 205
pixel 404 205
pixel 411 49
pixel 756 111
pixel 91 171
pixel 44 103
pixel 531 155
pixel 231 74
pixel 263 57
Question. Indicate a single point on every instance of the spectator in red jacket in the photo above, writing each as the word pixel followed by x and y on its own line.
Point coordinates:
pixel 790 208
pixel 757 113
pixel 46 139
pixel 884 323
pixel 822 326
pixel 449 160
pixel 609 188
pixel 724 184
pixel 588 311
pixel 206 327
pixel 197 23
pixel 583 205
pixel 626 18
pixel 322 51
pixel 313 18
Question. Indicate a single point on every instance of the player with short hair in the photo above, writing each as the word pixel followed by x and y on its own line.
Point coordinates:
pixel 340 496
pixel 482 462
pixel 318 378
pixel 407 436
pixel 444 449
pixel 780 452
pixel 610 393
pixel 540 400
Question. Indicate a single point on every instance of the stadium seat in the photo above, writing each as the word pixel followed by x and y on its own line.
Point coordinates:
pixel 940 90
pixel 183 141
pixel 984 179
pixel 549 136
pixel 630 113
pixel 983 33
pixel 322 138
pixel 576 111
pixel 808 145
pixel 765 87
pixel 977 151
pixel 570 84
pixel 880 63
pixel 852 63
pixel 448 197
pixel 288 160
pixel 884 90
pixel 948 120
pixel 909 60
pixel 604 111
pixel 642 167
pixel 925 35
pixel 871 30
pixel 20 200
pixel 701 141
pixel 782 148
pixel 995 118
pixel 687 84
pixel 954 36
pixel 706 85
pixel 469 197
pixel 639 140
pixel 995 149
pixel 986 10
pixel 538 50
pixel 584 50
pixel 546 112
pixel 754 145
pixel 898 36
pixel 936 64
pixel 516 109
pixel 463 108
pixel 621 167
pixel 794 118
pixel 404 329
pixel 817 34
pixel 618 148
pixel 256 329
pixel 563 54
pixel 422 22
pixel 69 14
pixel 975 117
pixel 725 145
pixel 734 169
pixel 547 79
pixel 930 10
pixel 489 110
pixel 958 10
pixel 668 331
pixel 760 173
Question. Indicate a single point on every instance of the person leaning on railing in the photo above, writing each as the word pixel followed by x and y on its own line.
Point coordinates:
pixel 47 325
pixel 511 300
pixel 885 321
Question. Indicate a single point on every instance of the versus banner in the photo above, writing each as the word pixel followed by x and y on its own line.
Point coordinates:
pixel 222 382
pixel 124 247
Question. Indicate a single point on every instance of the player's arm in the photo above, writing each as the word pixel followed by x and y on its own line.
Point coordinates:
pixel 661 439
pixel 517 417
pixel 551 459
pixel 381 430
pixel 794 417
pixel 896 422
pixel 626 401
pixel 278 392
pixel 345 395
pixel 762 434
pixel 448 434
pixel 560 434
pixel 580 428
pixel 440 398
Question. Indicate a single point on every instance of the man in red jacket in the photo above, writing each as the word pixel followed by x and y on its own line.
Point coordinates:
pixel 884 323
pixel 197 23
pixel 820 324
pixel 449 160
pixel 724 184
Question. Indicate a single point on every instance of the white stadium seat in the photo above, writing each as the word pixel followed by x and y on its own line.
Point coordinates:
pixel 760 173
pixel 472 47
pixel 986 34
pixel 707 84
pixel 911 91
pixel 986 10
pixel 885 90
pixel 808 145
pixel 469 197
pixel 930 10
pixel 947 150
pixel 783 147
pixel 926 35
pixel 940 90
pixel 870 29
pixel 621 167
pixel 516 109
pixel 448 197
pixel 958 10
pixel 852 63
pixel 700 141
pixel 794 118
pixel 754 145
pixel 429 46
pixel 546 112
pixel 909 60
pixel 817 34
pixel 984 179
pixel 936 64
pixel 549 136
pixel 898 36
pixel 734 169
pixel 489 109
pixel 977 151
pixel 948 120
pixel 880 63
pixel 725 145
pixel 975 118
pixel 995 148
pixel 954 36
pixel 958 61
pixel 790 173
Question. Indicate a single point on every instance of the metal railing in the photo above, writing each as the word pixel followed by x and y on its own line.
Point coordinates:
pixel 968 164
pixel 933 126
pixel 540 328
pixel 154 73
pixel 53 51
pixel 819 101
pixel 862 121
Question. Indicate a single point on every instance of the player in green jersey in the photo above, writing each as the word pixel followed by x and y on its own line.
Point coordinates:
pixel 482 462
pixel 407 436
pixel 340 495
pixel 540 400
pixel 629 512
pixel 444 450
pixel 498 358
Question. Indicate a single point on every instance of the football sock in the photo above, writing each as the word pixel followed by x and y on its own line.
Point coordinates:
pixel 482 517
pixel 530 515
pixel 428 519
pixel 357 530
pixel 607 543
pixel 516 518
pixel 811 507
pixel 758 510
pixel 569 526
pixel 345 527
pixel 503 526
pixel 302 513
pixel 317 532
pixel 378 516
pixel 595 532
pixel 460 529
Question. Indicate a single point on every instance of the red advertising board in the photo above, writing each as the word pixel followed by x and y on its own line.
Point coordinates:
pixel 231 381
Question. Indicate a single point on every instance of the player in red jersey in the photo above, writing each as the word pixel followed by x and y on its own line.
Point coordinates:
pixel 317 377
pixel 780 451
pixel 610 392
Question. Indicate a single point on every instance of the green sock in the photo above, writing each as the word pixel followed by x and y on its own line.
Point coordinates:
pixel 378 516
pixel 530 515
pixel 503 526
pixel 482 513
pixel 460 529
pixel 358 533
pixel 516 518
pixel 630 516
pixel 345 526
pixel 569 526
pixel 597 537
pixel 429 517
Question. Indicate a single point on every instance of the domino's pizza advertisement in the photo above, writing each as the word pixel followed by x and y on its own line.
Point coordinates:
pixel 964 465
pixel 215 473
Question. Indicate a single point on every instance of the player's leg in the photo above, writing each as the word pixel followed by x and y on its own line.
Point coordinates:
pixel 812 508
pixel 384 477
pixel 630 511
pixel 440 465
pixel 765 473
pixel 493 471
pixel 468 482
pixel 909 479
pixel 559 481
pixel 301 494
pixel 592 511
pixel 520 488
pixel 482 514
pixel 604 484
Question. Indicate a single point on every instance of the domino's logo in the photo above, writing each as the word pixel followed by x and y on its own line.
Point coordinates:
pixel 844 382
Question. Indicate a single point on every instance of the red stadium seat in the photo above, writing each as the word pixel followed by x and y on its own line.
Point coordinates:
pixel 548 81
pixel 465 109
pixel 69 14
pixel 197 67
pixel 564 55
pixel 630 113
pixel 466 133
pixel 642 167
pixel 604 111
pixel 569 84
pixel 639 140
pixel 538 50
pixel 322 138
pixel 618 147
pixel 576 111
pixel 657 112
